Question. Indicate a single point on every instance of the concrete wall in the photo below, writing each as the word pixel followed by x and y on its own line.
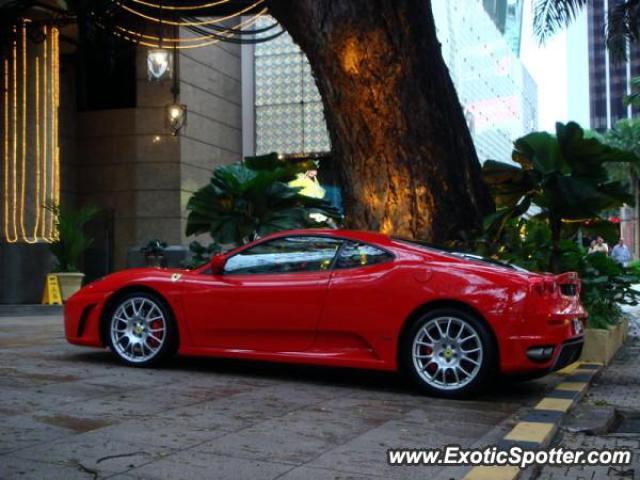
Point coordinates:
pixel 210 86
pixel 129 163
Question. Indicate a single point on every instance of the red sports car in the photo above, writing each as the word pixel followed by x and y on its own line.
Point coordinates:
pixel 344 298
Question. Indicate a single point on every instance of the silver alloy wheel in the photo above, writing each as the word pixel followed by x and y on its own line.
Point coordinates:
pixel 447 353
pixel 138 329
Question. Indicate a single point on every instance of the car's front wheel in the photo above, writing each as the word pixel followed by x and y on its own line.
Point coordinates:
pixel 449 353
pixel 141 331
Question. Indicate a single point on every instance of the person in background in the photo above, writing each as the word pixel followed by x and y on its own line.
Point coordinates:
pixel 308 184
pixel 591 245
pixel 600 246
pixel 621 253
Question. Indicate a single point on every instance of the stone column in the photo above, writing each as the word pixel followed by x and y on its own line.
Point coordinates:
pixel 29 158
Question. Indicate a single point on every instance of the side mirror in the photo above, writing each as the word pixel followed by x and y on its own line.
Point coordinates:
pixel 217 264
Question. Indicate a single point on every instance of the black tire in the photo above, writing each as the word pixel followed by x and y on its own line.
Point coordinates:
pixel 419 369
pixel 163 349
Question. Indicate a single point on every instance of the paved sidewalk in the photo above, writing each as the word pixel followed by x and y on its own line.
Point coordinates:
pixel 73 413
pixel 617 388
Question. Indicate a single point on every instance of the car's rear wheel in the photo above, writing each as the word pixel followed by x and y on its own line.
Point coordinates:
pixel 140 330
pixel 449 353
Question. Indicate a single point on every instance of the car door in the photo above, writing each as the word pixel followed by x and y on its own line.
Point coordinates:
pixel 363 296
pixel 268 298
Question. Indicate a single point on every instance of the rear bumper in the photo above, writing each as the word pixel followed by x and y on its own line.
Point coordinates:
pixel 568 353
pixel 544 346
pixel 517 361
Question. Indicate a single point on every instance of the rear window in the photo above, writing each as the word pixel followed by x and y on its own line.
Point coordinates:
pixel 467 256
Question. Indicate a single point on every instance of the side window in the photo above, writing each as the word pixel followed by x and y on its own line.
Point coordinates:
pixel 360 254
pixel 285 255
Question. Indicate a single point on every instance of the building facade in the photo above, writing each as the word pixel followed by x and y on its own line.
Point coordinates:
pixel 609 76
pixel 95 133
pixel 507 17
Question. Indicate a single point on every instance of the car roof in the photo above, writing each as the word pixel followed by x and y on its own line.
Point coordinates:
pixel 368 237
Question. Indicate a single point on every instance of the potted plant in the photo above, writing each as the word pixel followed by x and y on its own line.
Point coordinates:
pixel 153 252
pixel 70 245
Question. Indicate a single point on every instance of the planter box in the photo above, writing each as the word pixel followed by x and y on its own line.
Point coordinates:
pixel 601 344
pixel 70 283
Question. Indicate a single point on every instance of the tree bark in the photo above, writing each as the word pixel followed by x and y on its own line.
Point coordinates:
pixel 402 147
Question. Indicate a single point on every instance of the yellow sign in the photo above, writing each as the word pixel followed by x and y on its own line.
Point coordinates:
pixel 52 293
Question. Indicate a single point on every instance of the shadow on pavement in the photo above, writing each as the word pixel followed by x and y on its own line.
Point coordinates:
pixel 500 390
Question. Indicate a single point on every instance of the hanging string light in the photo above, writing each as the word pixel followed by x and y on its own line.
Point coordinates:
pixel 187 23
pixel 153 24
pixel 182 7
pixel 156 42
pixel 30 151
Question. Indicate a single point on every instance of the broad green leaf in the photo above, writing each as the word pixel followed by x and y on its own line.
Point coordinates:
pixel 540 151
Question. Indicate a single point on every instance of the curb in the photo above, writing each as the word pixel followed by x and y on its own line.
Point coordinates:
pixel 536 429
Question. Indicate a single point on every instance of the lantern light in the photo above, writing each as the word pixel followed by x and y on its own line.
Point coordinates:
pixel 159 64
pixel 176 117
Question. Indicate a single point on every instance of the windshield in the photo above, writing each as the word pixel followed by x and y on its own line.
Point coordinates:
pixel 467 256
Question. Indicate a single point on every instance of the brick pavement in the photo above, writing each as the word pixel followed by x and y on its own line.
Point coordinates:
pixel 68 412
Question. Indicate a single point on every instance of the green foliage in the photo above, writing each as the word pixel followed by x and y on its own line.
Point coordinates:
pixel 201 254
pixel 633 98
pixel 565 176
pixel 624 135
pixel 526 243
pixel 549 16
pixel 252 199
pixel 634 267
pixel 154 248
pixel 605 286
pixel 71 243
pixel 622 21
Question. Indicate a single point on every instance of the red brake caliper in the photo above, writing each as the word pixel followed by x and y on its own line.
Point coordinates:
pixel 431 366
pixel 155 325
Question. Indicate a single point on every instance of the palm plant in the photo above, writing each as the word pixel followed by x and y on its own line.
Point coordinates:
pixel 252 199
pixel 633 98
pixel 71 242
pixel 624 135
pixel 622 22
pixel 564 176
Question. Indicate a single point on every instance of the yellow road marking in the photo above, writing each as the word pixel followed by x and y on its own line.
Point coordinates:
pixel 569 369
pixel 531 432
pixel 571 386
pixel 492 473
pixel 557 404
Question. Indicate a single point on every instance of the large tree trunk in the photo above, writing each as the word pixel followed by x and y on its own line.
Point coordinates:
pixel 398 133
